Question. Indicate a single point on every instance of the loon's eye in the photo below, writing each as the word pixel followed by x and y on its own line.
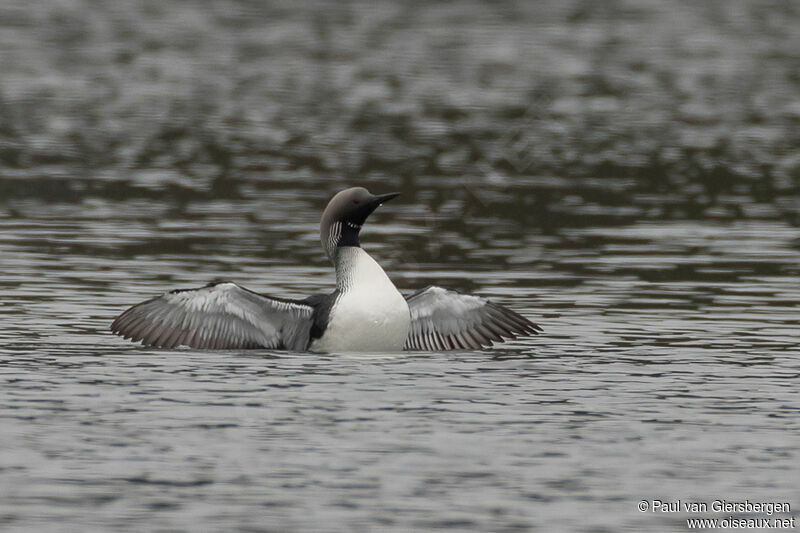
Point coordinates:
pixel 356 202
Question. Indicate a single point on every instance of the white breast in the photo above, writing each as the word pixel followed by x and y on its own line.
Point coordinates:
pixel 370 314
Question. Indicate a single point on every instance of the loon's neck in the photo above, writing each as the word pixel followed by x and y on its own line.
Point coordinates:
pixel 356 269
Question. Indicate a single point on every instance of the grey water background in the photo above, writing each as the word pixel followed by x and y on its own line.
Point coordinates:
pixel 627 174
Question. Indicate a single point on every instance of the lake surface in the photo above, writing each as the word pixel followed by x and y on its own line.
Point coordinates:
pixel 625 174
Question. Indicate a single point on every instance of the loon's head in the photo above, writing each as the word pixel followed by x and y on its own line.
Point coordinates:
pixel 344 216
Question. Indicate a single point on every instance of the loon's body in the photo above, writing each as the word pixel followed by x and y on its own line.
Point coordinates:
pixel 366 312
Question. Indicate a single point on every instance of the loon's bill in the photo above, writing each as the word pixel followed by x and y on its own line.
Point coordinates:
pixel 365 312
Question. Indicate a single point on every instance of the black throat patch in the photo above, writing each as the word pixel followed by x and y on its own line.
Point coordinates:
pixel 349 235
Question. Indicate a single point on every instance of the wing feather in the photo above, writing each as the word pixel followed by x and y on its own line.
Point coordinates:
pixel 217 316
pixel 448 320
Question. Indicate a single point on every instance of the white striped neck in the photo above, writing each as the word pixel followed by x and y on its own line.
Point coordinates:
pixel 341 234
pixel 357 270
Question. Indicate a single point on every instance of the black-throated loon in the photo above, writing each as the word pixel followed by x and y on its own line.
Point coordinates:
pixel 366 312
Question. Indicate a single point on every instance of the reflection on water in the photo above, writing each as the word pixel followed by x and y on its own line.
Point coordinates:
pixel 625 175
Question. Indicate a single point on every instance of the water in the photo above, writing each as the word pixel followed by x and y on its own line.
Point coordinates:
pixel 625 175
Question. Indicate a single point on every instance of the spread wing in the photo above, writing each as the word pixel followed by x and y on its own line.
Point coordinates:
pixel 448 320
pixel 217 316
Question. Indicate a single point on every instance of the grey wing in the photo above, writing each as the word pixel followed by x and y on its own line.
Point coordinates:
pixel 448 320
pixel 217 316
